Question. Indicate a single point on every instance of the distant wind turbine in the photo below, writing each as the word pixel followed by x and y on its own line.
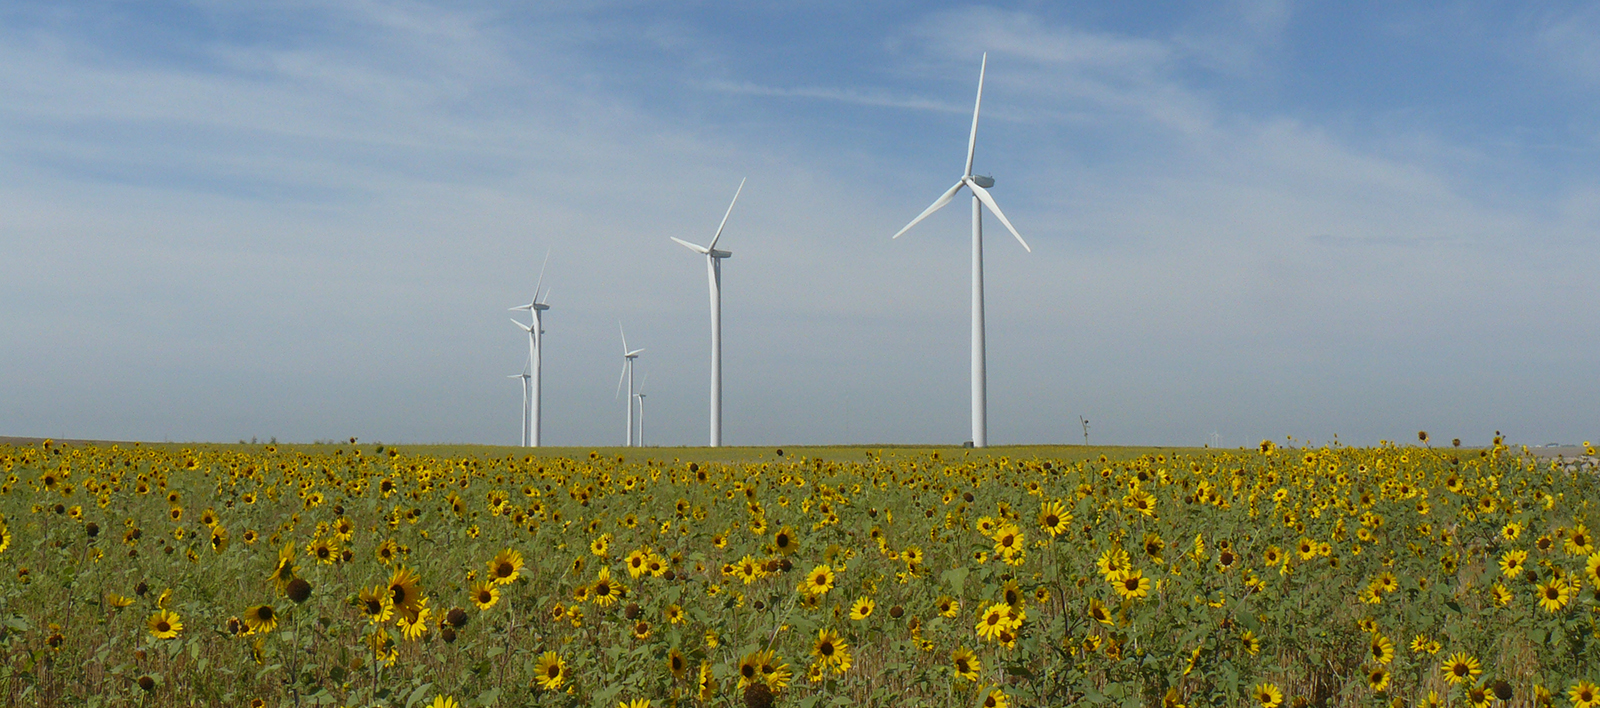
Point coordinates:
pixel 524 376
pixel 714 274
pixel 627 374
pixel 532 422
pixel 978 185
pixel 640 396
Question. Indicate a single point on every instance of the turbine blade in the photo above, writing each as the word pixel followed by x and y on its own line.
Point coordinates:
pixel 620 377
pixel 524 327
pixel 702 250
pixel 546 299
pixel 988 201
pixel 541 274
pixel 624 338
pixel 972 139
pixel 937 205
pixel 635 352
pixel 520 307
pixel 725 216
pixel 642 383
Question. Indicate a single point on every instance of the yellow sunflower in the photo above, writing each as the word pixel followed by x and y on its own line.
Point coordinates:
pixel 485 594
pixel 1461 667
pixel 505 567
pixel 831 651
pixel 404 595
pixel 818 582
pixel 1584 695
pixel 550 672
pixel 1053 517
pixel 1131 584
pixel 375 604
pixel 1267 695
pixel 966 664
pixel 862 609
pixel 164 624
pixel 260 619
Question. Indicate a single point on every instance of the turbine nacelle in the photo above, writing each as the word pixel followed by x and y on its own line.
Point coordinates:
pixel 984 181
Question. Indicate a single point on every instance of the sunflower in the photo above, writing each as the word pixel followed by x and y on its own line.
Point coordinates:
pixel 1131 584
pixel 118 601
pixel 164 624
pixel 1579 542
pixel 605 592
pixel 947 606
pixel 635 703
pixel 818 582
pixel 1053 518
pixel 996 699
pixel 1479 697
pixel 284 572
pixel 676 663
pixel 1267 695
pixel 1378 679
pixel 784 541
pixel 404 595
pixel 1554 594
pixel 1098 612
pixel 1380 649
pixel 505 567
pixel 443 701
pixel 1011 594
pixel 1584 695
pixel 995 620
pixel 324 550
pixel 260 619
pixel 485 594
pixel 1009 541
pixel 641 630
pixel 1112 561
pixel 674 614
pixel 862 609
pixel 831 651
pixel 1461 667
pixel 1511 562
pixel 1142 502
pixel 636 562
pixel 1591 569
pixel 413 627
pixel 375 604
pixel 966 664
pixel 1251 642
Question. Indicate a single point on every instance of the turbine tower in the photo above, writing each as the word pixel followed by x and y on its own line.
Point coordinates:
pixel 524 376
pixel 640 396
pixel 627 374
pixel 714 275
pixel 532 422
pixel 978 185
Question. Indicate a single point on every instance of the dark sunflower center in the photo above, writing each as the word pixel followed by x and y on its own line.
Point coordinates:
pixel 553 672
pixel 603 589
pixel 264 613
pixel 503 570
pixel 961 666
pixel 1051 520
pixel 374 607
pixel 398 593
pixel 747 671
pixel 162 626
pixel 825 649
pixel 1131 584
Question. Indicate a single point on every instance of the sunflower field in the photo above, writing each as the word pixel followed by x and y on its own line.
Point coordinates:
pixel 364 576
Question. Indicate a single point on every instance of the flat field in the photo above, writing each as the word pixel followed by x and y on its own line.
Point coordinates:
pixel 167 574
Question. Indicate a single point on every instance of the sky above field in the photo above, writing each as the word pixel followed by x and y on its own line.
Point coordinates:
pixel 1249 220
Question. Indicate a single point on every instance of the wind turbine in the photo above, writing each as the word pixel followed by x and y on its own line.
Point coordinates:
pixel 640 396
pixel 627 373
pixel 714 275
pixel 532 422
pixel 524 376
pixel 979 186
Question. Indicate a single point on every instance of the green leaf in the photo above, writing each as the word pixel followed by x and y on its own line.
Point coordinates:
pixel 956 577
pixel 417 694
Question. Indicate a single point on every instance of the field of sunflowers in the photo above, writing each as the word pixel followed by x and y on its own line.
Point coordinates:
pixel 359 575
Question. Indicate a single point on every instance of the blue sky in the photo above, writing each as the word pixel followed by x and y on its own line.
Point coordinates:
pixel 1248 219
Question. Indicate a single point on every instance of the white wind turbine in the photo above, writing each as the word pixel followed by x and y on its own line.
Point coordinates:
pixel 524 376
pixel 640 396
pixel 714 274
pixel 627 374
pixel 532 422
pixel 979 185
